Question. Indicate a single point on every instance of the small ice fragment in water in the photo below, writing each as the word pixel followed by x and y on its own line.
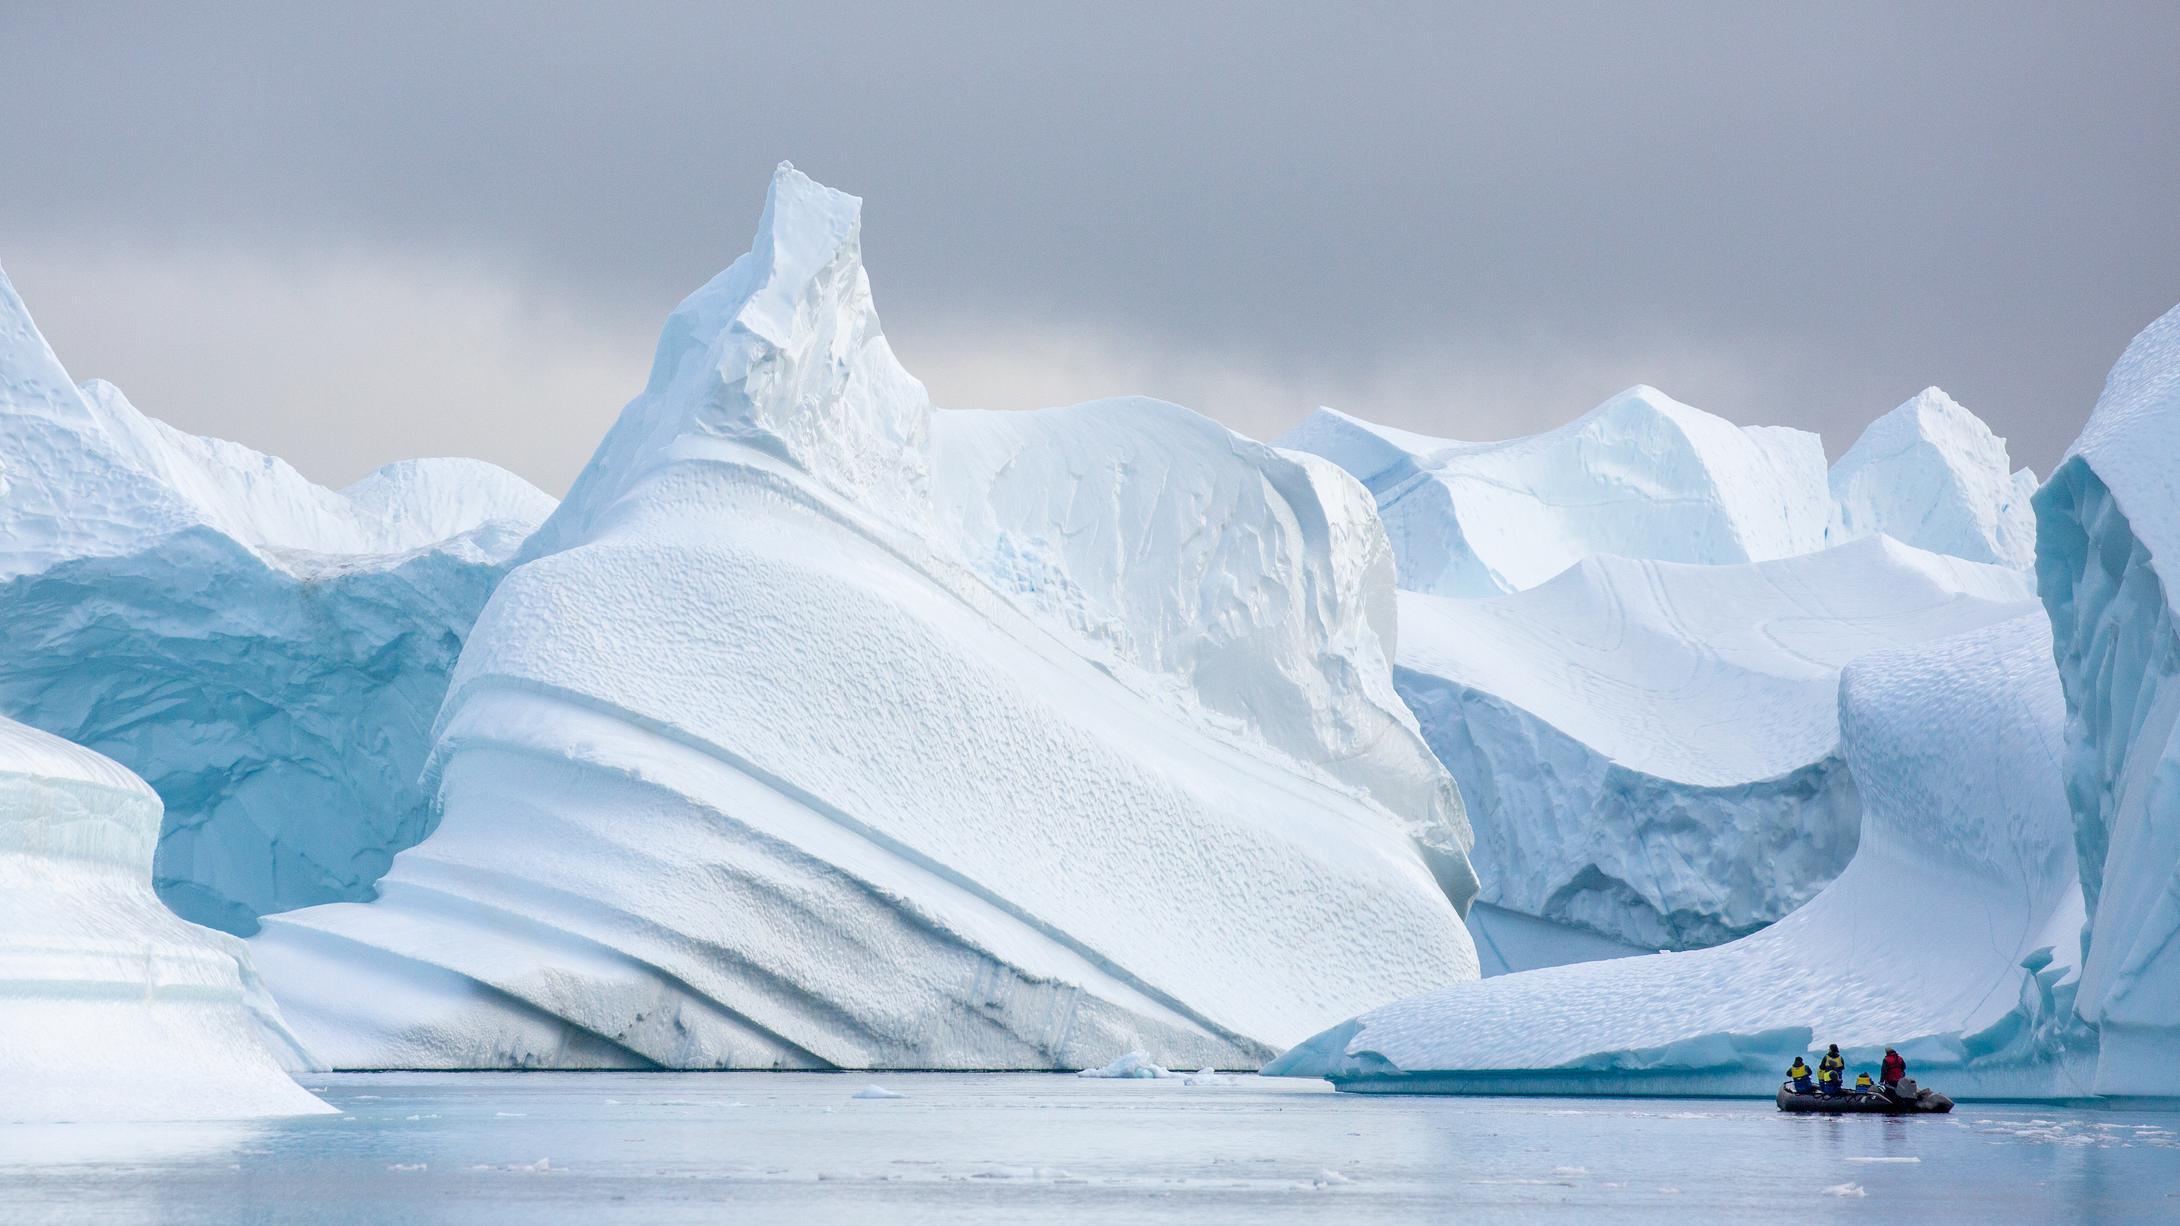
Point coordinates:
pixel 874 1090
pixel 1845 1189
pixel 405 1166
pixel 1206 1077
pixel 1327 1178
pixel 509 1115
pixel 1859 1158
pixel 1136 1064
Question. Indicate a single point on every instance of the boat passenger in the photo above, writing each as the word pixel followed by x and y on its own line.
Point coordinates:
pixel 1893 1069
pixel 1863 1084
pixel 1830 1069
pixel 1798 1073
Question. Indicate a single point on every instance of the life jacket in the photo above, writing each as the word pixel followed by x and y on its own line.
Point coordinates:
pixel 1797 1070
pixel 1830 1068
pixel 1862 1081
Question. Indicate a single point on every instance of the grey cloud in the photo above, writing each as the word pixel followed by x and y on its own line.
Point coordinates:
pixel 1466 221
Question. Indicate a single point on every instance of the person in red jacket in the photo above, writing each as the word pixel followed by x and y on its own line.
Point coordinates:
pixel 1892 1070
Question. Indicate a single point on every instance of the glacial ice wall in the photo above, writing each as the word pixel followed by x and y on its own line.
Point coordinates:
pixel 1649 751
pixel 269 654
pixel 1951 935
pixel 1641 475
pixel 115 1009
pixel 821 728
pixel 2108 558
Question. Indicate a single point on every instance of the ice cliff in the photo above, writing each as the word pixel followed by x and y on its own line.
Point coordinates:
pixel 267 653
pixel 2107 565
pixel 115 1009
pixel 823 728
pixel 1650 751
pixel 1951 935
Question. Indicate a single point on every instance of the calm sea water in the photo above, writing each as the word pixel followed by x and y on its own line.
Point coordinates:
pixel 654 1148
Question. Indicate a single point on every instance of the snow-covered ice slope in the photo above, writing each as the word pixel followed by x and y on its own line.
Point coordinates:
pixel 1641 475
pixel 267 653
pixel 110 1007
pixel 1952 935
pixel 823 728
pixel 1930 473
pixel 2108 563
pixel 1650 750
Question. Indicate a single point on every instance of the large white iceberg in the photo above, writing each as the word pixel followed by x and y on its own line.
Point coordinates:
pixel 1650 751
pixel 821 728
pixel 1930 473
pixel 2108 565
pixel 110 1007
pixel 267 653
pixel 1641 475
pixel 1952 935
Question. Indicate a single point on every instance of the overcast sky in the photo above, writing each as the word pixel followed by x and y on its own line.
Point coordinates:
pixel 348 237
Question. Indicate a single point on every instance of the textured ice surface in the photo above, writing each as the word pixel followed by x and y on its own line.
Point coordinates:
pixel 1931 474
pixel 1641 475
pixel 1952 934
pixel 110 1007
pixel 823 728
pixel 267 653
pixel 1649 751
pixel 2108 560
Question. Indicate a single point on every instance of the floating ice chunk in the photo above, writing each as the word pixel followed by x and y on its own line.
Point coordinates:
pixel 877 1091
pixel 1135 1064
pixel 1207 1077
pixel 1845 1189
pixel 114 1008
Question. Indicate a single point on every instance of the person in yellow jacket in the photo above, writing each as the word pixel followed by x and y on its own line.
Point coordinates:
pixel 1863 1084
pixel 1830 1070
pixel 1798 1073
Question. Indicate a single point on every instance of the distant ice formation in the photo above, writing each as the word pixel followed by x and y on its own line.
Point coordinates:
pixel 2108 564
pixel 1952 935
pixel 110 1007
pixel 1931 474
pixel 1624 638
pixel 1641 476
pixel 267 653
pixel 1649 750
pixel 822 728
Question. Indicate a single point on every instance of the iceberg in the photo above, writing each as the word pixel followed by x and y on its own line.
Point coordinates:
pixel 1952 935
pixel 1931 474
pixel 116 1009
pixel 2107 565
pixel 1641 476
pixel 1650 751
pixel 267 653
pixel 823 728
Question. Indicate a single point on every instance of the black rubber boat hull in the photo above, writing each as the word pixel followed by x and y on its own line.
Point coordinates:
pixel 1924 1102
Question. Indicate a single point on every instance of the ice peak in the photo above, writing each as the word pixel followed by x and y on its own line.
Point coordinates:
pixel 805 228
pixel 782 355
pixel 1932 474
